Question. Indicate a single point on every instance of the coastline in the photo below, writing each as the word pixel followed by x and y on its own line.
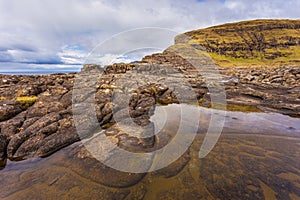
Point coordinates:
pixel 37 115
pixel 55 126
pixel 38 72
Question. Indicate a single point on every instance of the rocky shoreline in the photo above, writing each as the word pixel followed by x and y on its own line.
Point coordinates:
pixel 37 119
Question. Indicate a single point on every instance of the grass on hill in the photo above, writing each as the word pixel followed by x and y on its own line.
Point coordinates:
pixel 249 43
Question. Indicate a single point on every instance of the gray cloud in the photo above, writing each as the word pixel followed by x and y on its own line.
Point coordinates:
pixel 39 31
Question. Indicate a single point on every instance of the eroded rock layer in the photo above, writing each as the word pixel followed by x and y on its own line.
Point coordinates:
pixel 37 116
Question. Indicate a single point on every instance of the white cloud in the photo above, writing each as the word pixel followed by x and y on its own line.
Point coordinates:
pixel 72 54
pixel 136 55
pixel 106 59
pixel 38 31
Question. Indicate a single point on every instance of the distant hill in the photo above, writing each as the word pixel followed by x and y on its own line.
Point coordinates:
pixel 249 43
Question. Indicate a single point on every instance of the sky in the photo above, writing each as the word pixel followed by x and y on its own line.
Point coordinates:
pixel 60 34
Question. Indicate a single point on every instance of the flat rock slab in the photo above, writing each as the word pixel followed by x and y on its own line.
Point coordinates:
pixel 48 125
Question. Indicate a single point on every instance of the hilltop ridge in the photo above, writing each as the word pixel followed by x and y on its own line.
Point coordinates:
pixel 248 43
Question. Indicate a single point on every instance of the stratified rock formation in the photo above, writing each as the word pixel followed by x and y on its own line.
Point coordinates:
pixel 249 43
pixel 37 119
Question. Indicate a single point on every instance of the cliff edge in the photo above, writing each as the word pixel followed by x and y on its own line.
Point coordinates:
pixel 249 43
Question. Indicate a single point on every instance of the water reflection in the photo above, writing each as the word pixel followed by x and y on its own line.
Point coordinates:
pixel 256 157
pixel 236 122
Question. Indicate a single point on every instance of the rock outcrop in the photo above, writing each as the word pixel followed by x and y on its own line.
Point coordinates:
pixel 37 114
pixel 48 124
pixel 267 88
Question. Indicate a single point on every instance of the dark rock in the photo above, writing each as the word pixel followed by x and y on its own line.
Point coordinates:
pixel 56 141
pixel 48 125
pixel 99 172
pixel 3 144
pixel 13 126
pixel 91 68
pixel 9 109
pixel 26 142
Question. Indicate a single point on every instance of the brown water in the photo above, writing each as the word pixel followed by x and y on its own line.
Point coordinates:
pixel 256 157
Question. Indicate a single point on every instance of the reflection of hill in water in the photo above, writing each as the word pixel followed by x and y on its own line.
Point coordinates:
pixel 256 157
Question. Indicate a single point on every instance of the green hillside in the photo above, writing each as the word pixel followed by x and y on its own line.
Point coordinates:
pixel 249 43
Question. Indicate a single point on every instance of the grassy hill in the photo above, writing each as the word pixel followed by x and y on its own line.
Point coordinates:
pixel 249 43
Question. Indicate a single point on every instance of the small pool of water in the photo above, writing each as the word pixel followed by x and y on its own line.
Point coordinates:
pixel 256 157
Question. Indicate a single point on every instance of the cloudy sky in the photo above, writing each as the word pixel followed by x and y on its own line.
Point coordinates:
pixel 59 34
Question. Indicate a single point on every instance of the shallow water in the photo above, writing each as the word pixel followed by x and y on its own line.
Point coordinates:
pixel 256 157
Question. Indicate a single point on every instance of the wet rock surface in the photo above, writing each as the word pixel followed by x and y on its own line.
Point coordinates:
pixel 43 127
pixel 274 89
pixel 126 94
pixel 240 167
pixel 256 154
pixel 40 115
